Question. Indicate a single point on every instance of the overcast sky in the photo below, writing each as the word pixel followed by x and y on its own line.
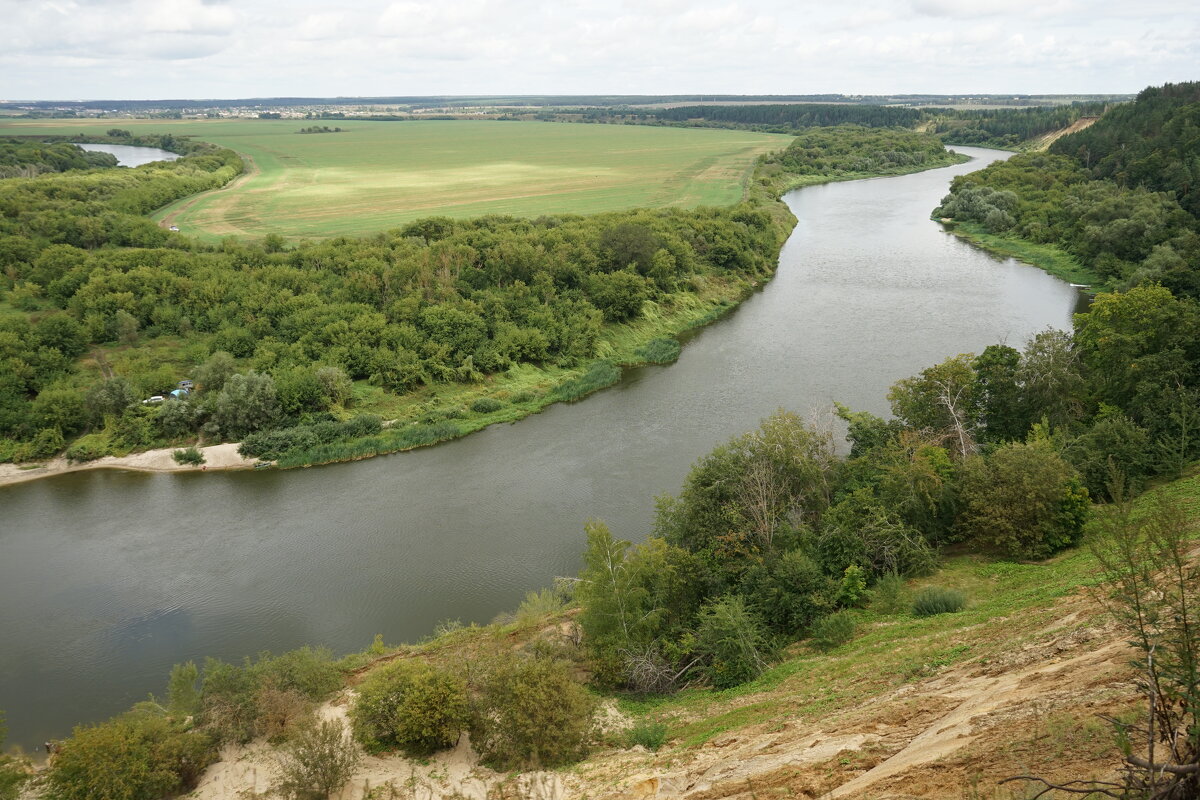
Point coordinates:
pixel 147 49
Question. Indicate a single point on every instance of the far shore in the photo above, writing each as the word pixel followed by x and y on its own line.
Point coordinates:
pixel 216 457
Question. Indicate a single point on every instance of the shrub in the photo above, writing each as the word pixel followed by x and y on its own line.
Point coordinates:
pixel 88 448
pixel 1024 500
pixel 412 706
pixel 531 713
pixel 648 734
pixel 183 697
pixel 789 593
pixel 539 604
pixel 938 600
pixel 486 405
pixel 732 641
pixel 317 763
pixel 833 630
pixel 662 350
pixel 12 771
pixel 134 757
pixel 45 444
pixel 853 587
pixel 362 425
pixel 227 702
pixel 189 455
pixel 888 596
pixel 266 697
pixel 311 672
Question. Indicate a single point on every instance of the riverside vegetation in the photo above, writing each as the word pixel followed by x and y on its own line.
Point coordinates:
pixel 773 539
pixel 439 327
pixel 990 461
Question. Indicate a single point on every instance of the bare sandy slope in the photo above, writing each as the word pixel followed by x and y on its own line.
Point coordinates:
pixel 966 726
pixel 1052 137
pixel 217 457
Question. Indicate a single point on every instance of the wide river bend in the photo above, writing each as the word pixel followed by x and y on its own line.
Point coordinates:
pixel 108 578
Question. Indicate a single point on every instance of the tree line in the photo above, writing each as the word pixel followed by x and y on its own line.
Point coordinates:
pixel 848 151
pixel 23 158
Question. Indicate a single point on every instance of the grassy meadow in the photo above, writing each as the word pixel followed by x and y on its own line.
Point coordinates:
pixel 377 175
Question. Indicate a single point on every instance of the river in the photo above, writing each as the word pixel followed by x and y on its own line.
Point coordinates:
pixel 130 155
pixel 109 578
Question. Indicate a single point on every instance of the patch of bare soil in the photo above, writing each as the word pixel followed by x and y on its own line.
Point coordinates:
pixel 1052 137
pixel 952 735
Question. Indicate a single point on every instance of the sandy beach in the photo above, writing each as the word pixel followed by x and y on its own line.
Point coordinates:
pixel 216 457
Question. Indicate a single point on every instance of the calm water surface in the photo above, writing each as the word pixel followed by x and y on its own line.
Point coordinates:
pixel 130 156
pixel 109 578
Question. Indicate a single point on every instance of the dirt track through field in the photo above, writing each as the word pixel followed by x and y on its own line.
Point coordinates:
pixel 249 172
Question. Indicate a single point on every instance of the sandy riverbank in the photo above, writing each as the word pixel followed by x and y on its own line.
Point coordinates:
pixel 218 456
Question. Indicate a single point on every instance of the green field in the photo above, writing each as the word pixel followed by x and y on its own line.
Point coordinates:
pixel 378 175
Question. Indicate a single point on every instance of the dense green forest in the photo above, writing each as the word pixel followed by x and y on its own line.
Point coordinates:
pixel 285 331
pixel 846 152
pixel 1119 196
pixel 105 309
pixel 24 159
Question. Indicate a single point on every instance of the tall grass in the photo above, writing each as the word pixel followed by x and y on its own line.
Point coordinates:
pixel 661 350
pixel 934 600
pixel 600 375
pixel 390 441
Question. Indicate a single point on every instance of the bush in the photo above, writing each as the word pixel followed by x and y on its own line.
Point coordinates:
pixel 888 596
pixel 834 630
pixel 539 604
pixel 311 672
pixel 650 735
pixel 412 706
pixel 531 713
pixel 938 600
pixel 134 757
pixel 662 350
pixel 189 455
pixel 1024 500
pixel 88 448
pixel 45 444
pixel 732 641
pixel 486 405
pixel 12 771
pixel 789 593
pixel 853 588
pixel 266 697
pixel 317 763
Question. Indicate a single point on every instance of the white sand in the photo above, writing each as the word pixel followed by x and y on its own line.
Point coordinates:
pixel 217 457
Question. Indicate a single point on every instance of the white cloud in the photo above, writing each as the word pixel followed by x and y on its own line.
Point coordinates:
pixel 94 48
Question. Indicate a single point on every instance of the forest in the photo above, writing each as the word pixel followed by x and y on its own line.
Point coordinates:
pixel 845 152
pixel 493 292
pixel 1006 127
pixel 1119 196
pixel 106 309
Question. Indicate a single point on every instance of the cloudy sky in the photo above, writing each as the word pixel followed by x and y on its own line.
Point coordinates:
pixel 147 49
